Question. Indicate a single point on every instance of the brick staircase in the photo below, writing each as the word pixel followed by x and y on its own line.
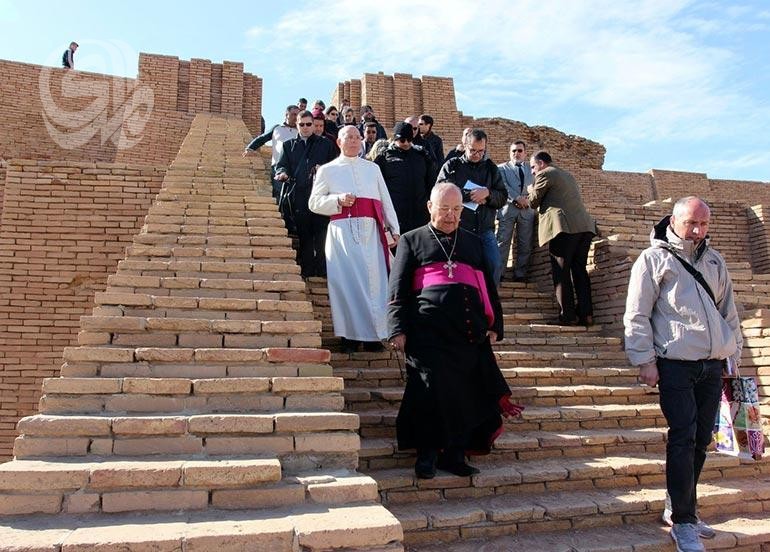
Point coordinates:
pixel 198 411
pixel 582 469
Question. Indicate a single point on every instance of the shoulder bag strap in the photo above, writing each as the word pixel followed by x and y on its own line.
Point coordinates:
pixel 695 274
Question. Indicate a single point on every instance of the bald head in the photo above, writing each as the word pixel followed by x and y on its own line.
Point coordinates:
pixel 349 141
pixel 445 206
pixel 690 219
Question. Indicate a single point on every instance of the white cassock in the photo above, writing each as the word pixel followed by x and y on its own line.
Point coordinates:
pixel 355 260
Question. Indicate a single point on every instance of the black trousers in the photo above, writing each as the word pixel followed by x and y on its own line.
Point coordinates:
pixel 569 255
pixel 689 399
pixel 311 233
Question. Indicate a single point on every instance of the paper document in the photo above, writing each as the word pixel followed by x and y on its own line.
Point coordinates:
pixel 470 185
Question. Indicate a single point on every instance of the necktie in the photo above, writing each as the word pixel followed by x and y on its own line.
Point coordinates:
pixel 521 178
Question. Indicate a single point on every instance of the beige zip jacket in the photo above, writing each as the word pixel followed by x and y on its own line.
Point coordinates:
pixel 669 314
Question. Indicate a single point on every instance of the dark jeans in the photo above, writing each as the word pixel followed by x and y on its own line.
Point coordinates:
pixel 689 399
pixel 569 255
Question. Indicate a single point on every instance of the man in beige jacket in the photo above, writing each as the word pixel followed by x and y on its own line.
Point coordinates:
pixel 567 228
pixel 681 331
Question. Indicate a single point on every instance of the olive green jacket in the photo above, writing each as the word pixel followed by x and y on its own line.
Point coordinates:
pixel 556 196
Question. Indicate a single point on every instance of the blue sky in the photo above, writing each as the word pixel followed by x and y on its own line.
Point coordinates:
pixel 669 84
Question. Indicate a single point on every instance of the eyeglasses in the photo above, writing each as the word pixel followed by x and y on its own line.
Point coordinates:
pixel 476 151
pixel 517 151
pixel 305 124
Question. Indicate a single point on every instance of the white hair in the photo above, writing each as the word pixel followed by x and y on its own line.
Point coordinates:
pixel 443 188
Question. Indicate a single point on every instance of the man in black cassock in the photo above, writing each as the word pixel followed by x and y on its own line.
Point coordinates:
pixel 444 313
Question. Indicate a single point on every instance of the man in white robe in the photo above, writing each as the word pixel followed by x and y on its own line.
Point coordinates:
pixel 353 193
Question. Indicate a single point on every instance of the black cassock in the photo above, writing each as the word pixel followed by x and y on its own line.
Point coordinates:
pixel 453 382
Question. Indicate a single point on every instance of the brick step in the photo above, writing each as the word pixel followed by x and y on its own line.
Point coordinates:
pixel 529 300
pixel 574 342
pixel 382 453
pixel 163 306
pixel 213 237
pixel 123 283
pixel 163 362
pixel 389 375
pixel 523 343
pixel 537 330
pixel 744 533
pixel 499 476
pixel 137 484
pixel 381 422
pixel 313 527
pixel 225 288
pixel 142 394
pixel 483 517
pixel 302 440
pixel 548 376
pixel 361 399
pixel 121 426
pixel 190 332
pixel 573 357
pixel 248 270
pixel 182 252
pixel 206 215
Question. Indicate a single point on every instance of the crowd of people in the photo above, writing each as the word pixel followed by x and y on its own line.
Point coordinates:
pixel 414 241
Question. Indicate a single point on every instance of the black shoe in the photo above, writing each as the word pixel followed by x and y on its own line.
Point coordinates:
pixel 520 279
pixel 349 345
pixel 586 321
pixel 373 347
pixel 562 321
pixel 453 461
pixel 425 466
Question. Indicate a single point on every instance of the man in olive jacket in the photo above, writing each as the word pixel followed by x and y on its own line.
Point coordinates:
pixel 567 228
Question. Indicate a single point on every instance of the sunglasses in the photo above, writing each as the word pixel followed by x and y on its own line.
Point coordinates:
pixel 517 151
pixel 305 124
pixel 403 140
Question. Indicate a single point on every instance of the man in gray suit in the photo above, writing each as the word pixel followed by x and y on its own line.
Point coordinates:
pixel 567 228
pixel 517 213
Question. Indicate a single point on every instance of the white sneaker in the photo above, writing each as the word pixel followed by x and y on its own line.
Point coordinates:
pixel 686 538
pixel 704 530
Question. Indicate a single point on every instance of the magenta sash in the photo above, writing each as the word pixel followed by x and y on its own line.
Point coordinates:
pixel 372 208
pixel 435 274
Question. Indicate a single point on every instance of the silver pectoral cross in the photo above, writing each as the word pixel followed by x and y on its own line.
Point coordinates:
pixel 450 265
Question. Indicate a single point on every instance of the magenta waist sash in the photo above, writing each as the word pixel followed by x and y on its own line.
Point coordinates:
pixel 372 208
pixel 435 274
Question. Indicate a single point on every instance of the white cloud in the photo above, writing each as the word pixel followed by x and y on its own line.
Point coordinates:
pixel 255 32
pixel 651 68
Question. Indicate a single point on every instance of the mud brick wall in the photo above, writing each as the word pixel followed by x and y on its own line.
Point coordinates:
pixel 597 186
pixel 23 132
pixel 749 192
pixel 401 95
pixel 759 238
pixel 64 227
pixel 95 105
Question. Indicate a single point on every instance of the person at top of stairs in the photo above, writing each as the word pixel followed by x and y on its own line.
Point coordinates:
pixel 681 329
pixel 444 313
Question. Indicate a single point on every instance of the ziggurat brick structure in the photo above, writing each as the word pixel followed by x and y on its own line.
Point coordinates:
pixel 202 403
